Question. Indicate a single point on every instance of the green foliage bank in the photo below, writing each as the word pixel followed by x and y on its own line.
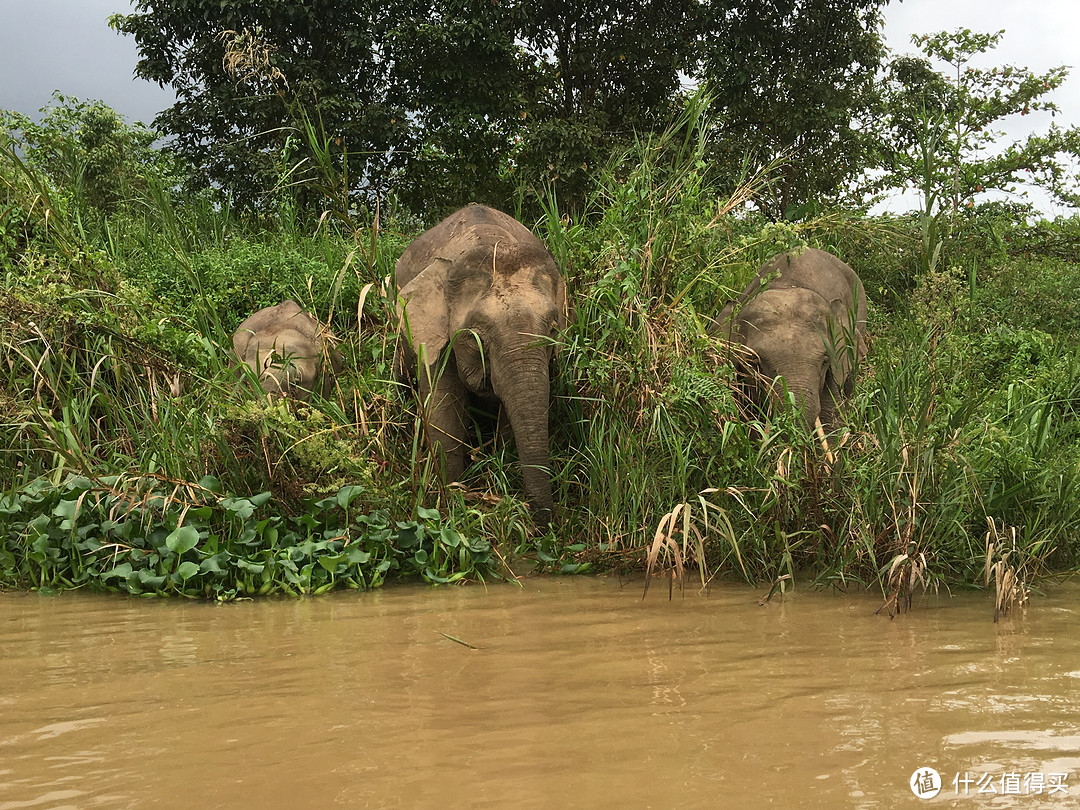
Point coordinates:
pixel 133 458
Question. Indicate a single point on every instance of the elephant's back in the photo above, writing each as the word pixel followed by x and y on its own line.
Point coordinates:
pixel 823 273
pixel 811 269
pixel 287 314
pixel 463 231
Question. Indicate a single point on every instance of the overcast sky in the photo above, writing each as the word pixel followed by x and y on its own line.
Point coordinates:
pixel 66 45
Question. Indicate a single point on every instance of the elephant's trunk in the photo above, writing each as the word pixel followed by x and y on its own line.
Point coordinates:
pixel 805 389
pixel 521 382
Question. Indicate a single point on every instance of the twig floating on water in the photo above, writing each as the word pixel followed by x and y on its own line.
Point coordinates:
pixel 457 640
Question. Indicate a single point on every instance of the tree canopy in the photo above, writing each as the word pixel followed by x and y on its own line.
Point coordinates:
pixel 793 78
pixel 939 131
pixel 445 101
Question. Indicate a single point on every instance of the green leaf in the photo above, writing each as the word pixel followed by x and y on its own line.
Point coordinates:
pixel 9 505
pixel 326 503
pixel 346 495
pixel 123 570
pixel 409 535
pixel 240 508
pixel 427 514
pixel 261 499
pixel 182 539
pixel 245 565
pixel 211 483
pixel 187 570
pixel 330 563
pixel 214 565
pixel 356 555
pixel 149 579
pixel 66 510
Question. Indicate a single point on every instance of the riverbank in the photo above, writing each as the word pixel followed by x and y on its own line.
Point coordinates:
pixel 134 461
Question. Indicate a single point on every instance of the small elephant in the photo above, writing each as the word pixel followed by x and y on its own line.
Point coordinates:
pixel 288 348
pixel 803 316
pixel 480 303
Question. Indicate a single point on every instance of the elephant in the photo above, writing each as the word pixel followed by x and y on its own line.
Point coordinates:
pixel 287 348
pixel 480 304
pixel 803 318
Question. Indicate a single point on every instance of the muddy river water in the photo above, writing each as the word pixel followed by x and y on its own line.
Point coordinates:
pixel 575 693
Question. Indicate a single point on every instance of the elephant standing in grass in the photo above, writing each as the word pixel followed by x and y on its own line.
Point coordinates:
pixel 481 302
pixel 288 350
pixel 803 317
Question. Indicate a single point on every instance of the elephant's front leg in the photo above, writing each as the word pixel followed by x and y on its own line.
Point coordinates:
pixel 442 401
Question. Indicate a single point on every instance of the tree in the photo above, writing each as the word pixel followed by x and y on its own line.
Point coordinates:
pixel 602 71
pixel 940 131
pixel 86 150
pixel 446 101
pixel 233 118
pixel 793 78
pixel 459 72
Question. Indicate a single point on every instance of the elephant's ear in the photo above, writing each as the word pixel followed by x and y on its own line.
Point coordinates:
pixel 246 331
pixel 423 313
pixel 847 340
pixel 240 340
pixel 723 325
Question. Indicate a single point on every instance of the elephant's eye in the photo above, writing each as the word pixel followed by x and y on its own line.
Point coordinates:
pixel 468 341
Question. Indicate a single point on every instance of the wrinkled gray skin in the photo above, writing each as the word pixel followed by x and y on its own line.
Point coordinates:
pixel 803 316
pixel 481 292
pixel 287 349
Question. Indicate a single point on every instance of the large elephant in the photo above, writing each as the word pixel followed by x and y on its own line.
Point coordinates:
pixel 803 316
pixel 480 303
pixel 288 349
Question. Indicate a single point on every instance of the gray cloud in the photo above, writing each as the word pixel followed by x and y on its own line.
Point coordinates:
pixel 66 45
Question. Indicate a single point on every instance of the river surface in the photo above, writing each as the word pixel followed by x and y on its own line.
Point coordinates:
pixel 578 694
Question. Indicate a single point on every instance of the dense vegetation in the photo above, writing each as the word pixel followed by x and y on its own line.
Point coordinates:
pixel 443 102
pixel 132 457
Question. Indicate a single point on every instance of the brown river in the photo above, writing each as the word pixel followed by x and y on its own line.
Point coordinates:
pixel 575 693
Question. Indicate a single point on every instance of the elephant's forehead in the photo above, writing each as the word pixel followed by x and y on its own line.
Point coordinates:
pixel 795 307
pixel 519 297
pixel 501 258
pixel 286 340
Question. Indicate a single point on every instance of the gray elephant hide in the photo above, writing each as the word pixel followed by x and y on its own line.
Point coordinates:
pixel 288 349
pixel 803 318
pixel 480 302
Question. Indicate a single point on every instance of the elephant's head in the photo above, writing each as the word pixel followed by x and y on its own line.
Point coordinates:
pixel 796 335
pixel 287 349
pixel 495 305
